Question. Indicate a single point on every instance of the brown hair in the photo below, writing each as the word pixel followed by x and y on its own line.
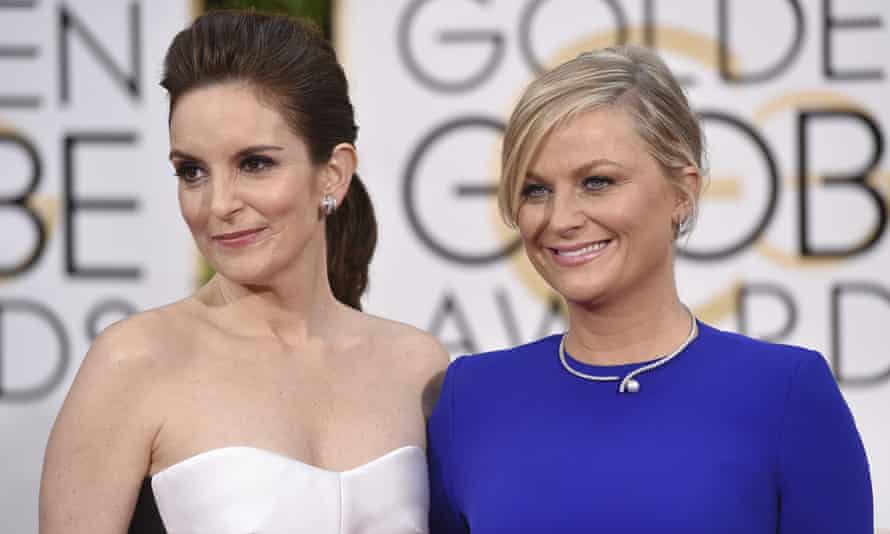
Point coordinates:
pixel 630 77
pixel 289 62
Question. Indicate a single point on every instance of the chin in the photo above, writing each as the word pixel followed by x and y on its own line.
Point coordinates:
pixel 580 290
pixel 583 296
pixel 247 271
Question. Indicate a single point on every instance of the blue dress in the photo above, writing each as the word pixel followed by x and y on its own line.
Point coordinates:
pixel 732 435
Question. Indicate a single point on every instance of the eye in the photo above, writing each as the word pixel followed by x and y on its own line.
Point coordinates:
pixel 597 183
pixel 534 191
pixel 256 164
pixel 189 172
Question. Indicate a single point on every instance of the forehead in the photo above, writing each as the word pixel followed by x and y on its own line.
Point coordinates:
pixel 600 134
pixel 226 113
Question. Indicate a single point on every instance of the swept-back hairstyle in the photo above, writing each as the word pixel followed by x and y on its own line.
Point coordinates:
pixel 629 77
pixel 290 64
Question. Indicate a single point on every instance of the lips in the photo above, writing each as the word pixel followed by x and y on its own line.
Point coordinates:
pixel 587 249
pixel 577 254
pixel 238 239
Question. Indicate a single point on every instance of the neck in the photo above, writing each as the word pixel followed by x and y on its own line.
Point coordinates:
pixel 628 330
pixel 294 307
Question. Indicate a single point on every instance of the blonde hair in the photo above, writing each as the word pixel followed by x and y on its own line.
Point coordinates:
pixel 630 77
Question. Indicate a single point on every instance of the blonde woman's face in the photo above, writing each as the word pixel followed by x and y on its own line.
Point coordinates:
pixel 595 211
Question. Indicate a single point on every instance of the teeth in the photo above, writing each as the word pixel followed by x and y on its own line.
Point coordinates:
pixel 582 251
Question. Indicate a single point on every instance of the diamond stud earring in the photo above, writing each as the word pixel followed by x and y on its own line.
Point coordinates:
pixel 328 204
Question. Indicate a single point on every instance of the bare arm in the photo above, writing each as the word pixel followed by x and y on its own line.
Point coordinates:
pixel 100 446
pixel 433 359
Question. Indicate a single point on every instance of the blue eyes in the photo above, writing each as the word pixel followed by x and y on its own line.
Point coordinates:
pixel 191 172
pixel 533 191
pixel 597 183
pixel 591 184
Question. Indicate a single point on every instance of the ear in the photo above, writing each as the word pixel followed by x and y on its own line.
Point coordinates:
pixel 337 173
pixel 688 186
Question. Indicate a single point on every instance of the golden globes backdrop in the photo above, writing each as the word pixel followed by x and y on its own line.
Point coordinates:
pixel 90 223
pixel 792 242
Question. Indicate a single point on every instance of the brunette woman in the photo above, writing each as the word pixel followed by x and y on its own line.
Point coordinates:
pixel 267 402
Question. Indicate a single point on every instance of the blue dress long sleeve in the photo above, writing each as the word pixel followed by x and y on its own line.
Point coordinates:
pixel 732 435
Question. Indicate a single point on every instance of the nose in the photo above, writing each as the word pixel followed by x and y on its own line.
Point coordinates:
pixel 566 214
pixel 225 199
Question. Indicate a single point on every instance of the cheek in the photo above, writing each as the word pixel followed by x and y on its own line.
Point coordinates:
pixel 530 221
pixel 646 213
pixel 658 219
pixel 190 204
pixel 287 197
pixel 283 207
pixel 650 228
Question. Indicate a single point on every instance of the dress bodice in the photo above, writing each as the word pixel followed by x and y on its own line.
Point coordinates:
pixel 241 490
pixel 733 435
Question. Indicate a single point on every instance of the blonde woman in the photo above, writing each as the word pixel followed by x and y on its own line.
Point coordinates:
pixel 640 418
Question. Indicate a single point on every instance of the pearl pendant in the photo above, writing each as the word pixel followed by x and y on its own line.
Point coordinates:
pixel 632 386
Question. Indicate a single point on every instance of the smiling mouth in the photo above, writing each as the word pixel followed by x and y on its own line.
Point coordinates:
pixel 237 239
pixel 582 251
pixel 573 256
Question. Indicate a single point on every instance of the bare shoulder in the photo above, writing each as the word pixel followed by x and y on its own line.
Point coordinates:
pixel 142 340
pixel 100 446
pixel 418 349
pixel 419 354
pixel 126 362
pixel 125 367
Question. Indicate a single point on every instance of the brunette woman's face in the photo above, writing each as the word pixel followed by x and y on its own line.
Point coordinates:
pixel 596 211
pixel 248 189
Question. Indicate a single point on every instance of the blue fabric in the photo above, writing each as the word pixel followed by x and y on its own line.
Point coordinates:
pixel 733 435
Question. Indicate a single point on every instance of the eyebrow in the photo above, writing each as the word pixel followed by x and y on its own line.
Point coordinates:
pixel 256 148
pixel 580 171
pixel 253 149
pixel 180 155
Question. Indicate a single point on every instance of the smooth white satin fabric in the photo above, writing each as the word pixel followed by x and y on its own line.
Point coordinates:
pixel 241 490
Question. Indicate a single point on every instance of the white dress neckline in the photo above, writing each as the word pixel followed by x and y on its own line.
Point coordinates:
pixel 241 489
pixel 229 449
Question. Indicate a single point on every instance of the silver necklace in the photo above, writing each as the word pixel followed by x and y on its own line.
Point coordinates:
pixel 628 383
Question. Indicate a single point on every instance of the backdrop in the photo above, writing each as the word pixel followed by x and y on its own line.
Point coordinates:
pixel 90 223
pixel 790 247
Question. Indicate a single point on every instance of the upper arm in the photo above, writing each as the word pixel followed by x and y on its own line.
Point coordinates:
pixel 434 375
pixel 825 483
pixel 100 445
pixel 431 393
pixel 427 360
pixel 443 516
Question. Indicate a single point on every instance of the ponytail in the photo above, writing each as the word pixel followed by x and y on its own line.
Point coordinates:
pixel 351 234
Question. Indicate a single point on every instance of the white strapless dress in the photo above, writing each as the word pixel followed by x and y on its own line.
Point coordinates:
pixel 245 490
